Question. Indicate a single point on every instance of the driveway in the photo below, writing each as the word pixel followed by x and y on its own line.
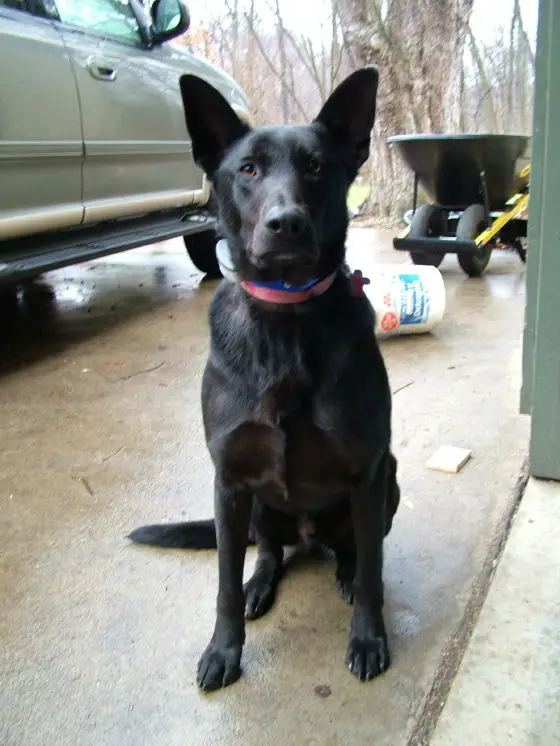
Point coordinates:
pixel 101 432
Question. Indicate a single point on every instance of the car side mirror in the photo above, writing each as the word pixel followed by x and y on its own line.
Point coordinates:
pixel 170 18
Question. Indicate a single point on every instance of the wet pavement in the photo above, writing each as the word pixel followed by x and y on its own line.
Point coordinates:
pixel 101 432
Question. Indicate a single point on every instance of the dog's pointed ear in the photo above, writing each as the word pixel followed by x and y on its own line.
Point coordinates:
pixel 349 114
pixel 212 123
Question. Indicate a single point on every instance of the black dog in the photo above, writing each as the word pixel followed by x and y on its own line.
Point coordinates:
pixel 295 397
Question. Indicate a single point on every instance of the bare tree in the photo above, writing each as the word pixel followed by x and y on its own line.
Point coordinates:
pixel 500 79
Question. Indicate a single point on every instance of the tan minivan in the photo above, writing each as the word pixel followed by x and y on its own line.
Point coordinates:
pixel 95 156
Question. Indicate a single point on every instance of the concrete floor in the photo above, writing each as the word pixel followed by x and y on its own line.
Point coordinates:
pixel 101 432
pixel 507 690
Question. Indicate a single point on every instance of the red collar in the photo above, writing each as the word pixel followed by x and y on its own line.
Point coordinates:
pixel 270 295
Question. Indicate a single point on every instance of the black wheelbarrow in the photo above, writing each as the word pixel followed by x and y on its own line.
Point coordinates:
pixel 479 191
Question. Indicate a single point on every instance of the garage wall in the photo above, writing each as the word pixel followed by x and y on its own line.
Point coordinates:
pixel 541 352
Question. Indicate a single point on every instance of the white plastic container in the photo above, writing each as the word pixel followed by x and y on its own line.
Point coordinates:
pixel 407 299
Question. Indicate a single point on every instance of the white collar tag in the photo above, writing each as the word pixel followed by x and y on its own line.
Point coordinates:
pixel 223 255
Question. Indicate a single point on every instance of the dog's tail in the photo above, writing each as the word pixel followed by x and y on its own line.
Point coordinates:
pixel 190 535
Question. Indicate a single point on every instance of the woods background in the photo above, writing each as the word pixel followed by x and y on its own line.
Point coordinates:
pixel 436 75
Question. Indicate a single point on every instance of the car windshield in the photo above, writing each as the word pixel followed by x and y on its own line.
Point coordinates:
pixel 113 17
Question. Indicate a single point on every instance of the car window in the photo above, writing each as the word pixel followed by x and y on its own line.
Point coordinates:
pixel 41 8
pixel 112 17
pixel 13 4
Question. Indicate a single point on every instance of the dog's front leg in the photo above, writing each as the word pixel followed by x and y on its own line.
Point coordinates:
pixel 368 653
pixel 220 662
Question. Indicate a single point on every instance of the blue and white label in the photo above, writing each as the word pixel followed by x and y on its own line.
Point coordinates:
pixel 415 300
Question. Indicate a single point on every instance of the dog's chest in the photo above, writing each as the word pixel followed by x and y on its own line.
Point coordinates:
pixel 284 437
pixel 289 462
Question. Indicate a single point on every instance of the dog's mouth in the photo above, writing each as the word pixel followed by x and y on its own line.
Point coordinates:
pixel 284 260
pixel 289 269
pixel 290 265
pixel 291 261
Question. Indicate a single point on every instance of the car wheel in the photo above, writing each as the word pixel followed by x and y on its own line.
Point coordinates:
pixel 201 248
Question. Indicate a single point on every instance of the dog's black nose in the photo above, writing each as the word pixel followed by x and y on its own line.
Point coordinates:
pixel 286 222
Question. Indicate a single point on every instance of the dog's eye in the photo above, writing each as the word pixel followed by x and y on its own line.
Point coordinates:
pixel 249 169
pixel 313 167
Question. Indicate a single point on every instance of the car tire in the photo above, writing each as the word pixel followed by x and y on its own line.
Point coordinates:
pixel 201 248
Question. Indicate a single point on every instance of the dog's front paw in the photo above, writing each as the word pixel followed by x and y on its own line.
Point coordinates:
pixel 218 667
pixel 366 659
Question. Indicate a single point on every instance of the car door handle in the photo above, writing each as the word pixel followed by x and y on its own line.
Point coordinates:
pixel 101 70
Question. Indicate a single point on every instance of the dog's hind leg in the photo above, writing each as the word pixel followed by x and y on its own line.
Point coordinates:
pixel 337 533
pixel 393 492
pixel 271 530
pixel 345 554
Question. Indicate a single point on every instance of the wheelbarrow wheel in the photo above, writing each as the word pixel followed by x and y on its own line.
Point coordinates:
pixel 521 248
pixel 427 221
pixel 471 223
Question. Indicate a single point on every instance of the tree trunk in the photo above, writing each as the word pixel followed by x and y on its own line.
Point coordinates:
pixel 418 47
